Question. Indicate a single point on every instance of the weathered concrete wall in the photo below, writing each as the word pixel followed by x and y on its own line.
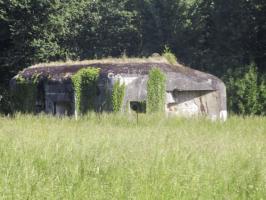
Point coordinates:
pixel 222 99
pixel 136 91
pixel 59 98
pixel 193 103
pixel 136 87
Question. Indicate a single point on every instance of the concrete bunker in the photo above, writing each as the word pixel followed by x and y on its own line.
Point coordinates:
pixel 188 92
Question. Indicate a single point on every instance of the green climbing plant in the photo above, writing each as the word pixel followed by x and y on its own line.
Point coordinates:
pixel 156 91
pixel 118 95
pixel 85 87
pixel 24 94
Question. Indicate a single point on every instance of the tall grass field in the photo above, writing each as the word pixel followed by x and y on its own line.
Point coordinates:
pixel 114 157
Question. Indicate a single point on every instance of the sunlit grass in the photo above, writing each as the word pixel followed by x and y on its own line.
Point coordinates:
pixel 110 60
pixel 114 157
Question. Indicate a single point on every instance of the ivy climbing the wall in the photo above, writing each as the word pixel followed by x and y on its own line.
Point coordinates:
pixel 24 94
pixel 85 87
pixel 118 95
pixel 156 91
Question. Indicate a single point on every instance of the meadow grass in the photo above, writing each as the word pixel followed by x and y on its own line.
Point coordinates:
pixel 113 157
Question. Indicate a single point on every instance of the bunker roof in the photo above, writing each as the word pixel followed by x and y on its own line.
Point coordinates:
pixel 179 76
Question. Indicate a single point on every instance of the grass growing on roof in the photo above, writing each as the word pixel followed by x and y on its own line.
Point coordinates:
pixel 113 157
pixel 109 60
pixel 169 56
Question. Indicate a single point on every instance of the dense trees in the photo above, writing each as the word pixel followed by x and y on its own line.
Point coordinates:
pixel 210 35
pixel 247 91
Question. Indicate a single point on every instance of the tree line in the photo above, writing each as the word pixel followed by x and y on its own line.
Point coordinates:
pixel 225 38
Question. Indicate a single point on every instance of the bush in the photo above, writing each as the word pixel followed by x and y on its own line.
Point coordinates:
pixel 118 94
pixel 85 88
pixel 246 91
pixel 169 56
pixel 156 91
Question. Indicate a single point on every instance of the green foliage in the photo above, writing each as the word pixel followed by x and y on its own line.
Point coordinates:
pixel 118 94
pixel 24 95
pixel 169 56
pixel 210 35
pixel 156 91
pixel 246 92
pixel 85 87
pixel 262 95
